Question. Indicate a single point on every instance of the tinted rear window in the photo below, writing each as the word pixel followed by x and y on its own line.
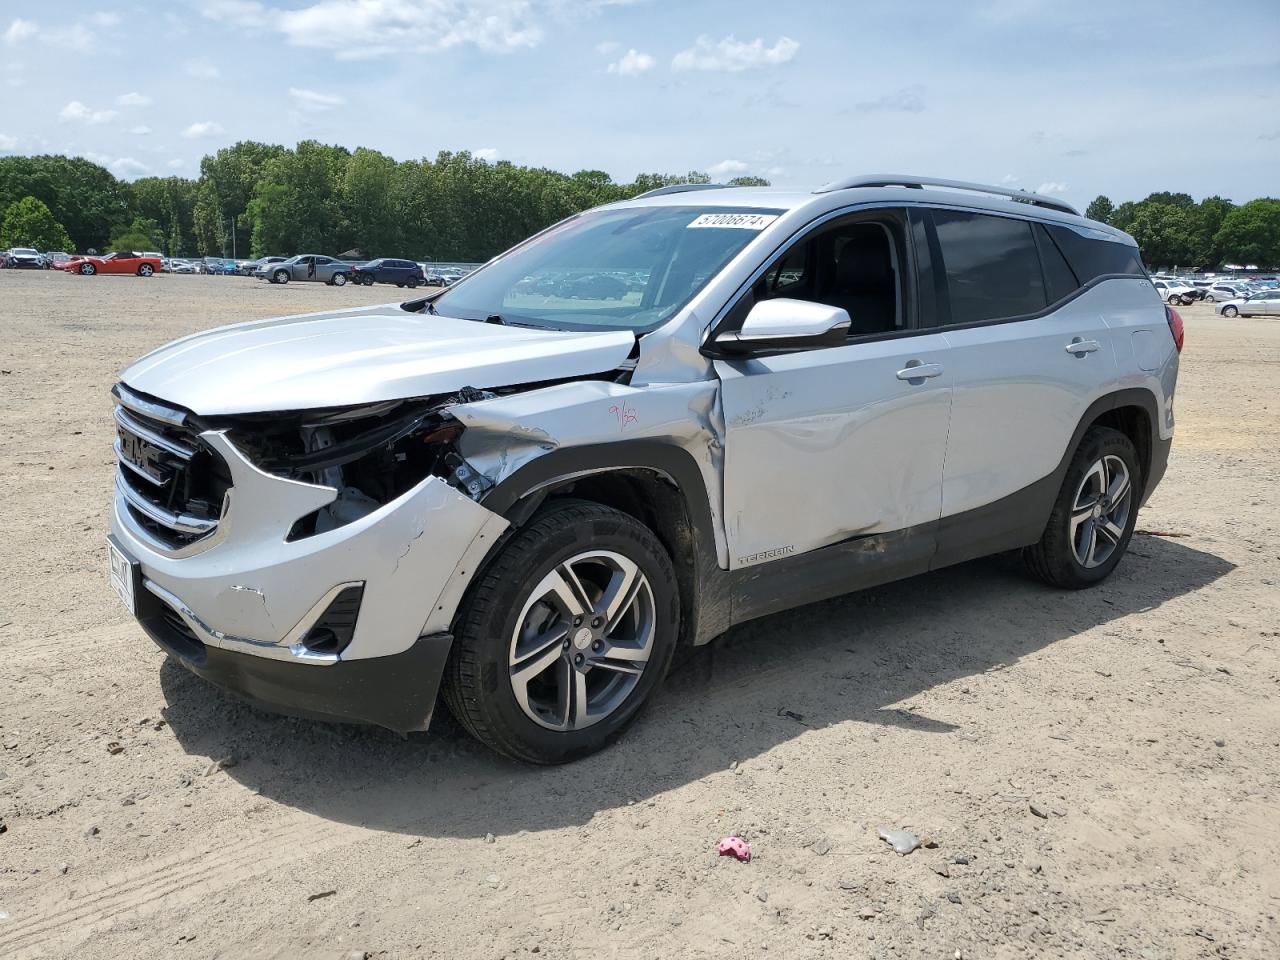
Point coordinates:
pixel 1091 259
pixel 1060 280
pixel 991 266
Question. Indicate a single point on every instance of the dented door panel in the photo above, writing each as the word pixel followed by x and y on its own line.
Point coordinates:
pixel 827 445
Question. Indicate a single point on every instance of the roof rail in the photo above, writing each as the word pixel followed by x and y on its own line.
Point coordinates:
pixel 919 183
pixel 680 188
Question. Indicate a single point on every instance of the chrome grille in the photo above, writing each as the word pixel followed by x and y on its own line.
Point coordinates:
pixel 173 485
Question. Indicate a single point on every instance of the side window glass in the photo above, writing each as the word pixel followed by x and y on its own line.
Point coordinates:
pixel 1096 258
pixel 1060 281
pixel 991 265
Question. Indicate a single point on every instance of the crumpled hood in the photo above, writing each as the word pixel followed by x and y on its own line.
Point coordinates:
pixel 361 356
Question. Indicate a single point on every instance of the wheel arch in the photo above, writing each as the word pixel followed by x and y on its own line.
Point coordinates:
pixel 658 484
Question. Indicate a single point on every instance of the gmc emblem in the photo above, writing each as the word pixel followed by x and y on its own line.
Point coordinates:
pixel 146 457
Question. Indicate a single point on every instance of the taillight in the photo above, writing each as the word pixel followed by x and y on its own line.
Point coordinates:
pixel 1175 327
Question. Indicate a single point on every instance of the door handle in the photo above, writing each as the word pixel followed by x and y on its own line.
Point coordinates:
pixel 917 373
pixel 1081 347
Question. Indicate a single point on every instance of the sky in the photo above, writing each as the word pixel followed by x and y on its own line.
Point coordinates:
pixel 1069 98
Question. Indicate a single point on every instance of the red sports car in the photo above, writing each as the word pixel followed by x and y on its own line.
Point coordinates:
pixel 133 263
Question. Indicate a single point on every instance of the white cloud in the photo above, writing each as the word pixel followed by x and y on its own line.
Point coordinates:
pixel 1008 178
pixel 78 112
pixel 315 102
pixel 133 100
pixel 359 29
pixel 486 153
pixel 727 168
pixel 201 69
pixel 906 100
pixel 128 168
pixel 140 131
pixel 241 13
pixel 731 55
pixel 207 128
pixel 1051 186
pixel 632 64
pixel 8 143
pixel 19 30
pixel 608 47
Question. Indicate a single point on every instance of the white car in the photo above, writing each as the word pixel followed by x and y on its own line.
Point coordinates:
pixel 1225 291
pixel 1264 304
pixel 529 499
pixel 1174 291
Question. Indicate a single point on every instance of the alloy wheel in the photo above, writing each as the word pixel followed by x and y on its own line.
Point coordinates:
pixel 1100 511
pixel 582 641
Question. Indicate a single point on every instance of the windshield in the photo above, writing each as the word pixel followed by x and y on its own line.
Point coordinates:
pixel 25 251
pixel 627 269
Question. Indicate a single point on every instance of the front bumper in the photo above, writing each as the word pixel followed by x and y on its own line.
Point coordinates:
pixel 397 692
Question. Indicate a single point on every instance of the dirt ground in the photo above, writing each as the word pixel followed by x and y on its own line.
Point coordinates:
pixel 1140 718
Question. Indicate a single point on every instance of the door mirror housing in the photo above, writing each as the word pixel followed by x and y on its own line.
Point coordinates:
pixel 782 325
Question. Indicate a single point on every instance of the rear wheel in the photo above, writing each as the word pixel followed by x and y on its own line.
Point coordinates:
pixel 87 269
pixel 1229 311
pixel 1094 516
pixel 339 280
pixel 562 640
pixel 146 270
pixel 411 283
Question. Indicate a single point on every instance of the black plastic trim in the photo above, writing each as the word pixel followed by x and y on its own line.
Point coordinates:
pixel 397 692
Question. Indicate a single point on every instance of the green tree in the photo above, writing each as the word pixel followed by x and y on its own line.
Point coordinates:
pixel 84 197
pixel 30 223
pixel 142 234
pixel 170 201
pixel 1162 235
pixel 749 182
pixel 1101 209
pixel 1250 234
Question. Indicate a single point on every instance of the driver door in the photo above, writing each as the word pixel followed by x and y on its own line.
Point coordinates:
pixel 841 443
pixel 302 268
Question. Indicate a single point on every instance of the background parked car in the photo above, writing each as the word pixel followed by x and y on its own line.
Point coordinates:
pixel 220 267
pixel 121 262
pixel 23 258
pixel 1172 291
pixel 1225 291
pixel 403 273
pixel 181 265
pixel 56 259
pixel 262 266
pixel 310 266
pixel 1264 304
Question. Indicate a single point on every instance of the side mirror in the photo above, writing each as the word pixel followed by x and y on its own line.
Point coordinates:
pixel 784 324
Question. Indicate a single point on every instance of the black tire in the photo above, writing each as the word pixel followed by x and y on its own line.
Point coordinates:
pixel 1230 312
pixel 476 683
pixel 339 280
pixel 280 276
pixel 412 283
pixel 400 285
pixel 368 280
pixel 1054 558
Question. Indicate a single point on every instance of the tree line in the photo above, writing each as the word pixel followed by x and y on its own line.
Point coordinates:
pixel 254 199
pixel 1175 232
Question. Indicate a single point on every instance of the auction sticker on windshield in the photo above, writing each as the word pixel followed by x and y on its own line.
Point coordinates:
pixel 734 221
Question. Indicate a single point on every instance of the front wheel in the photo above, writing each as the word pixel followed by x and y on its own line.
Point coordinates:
pixel 1094 515
pixel 280 276
pixel 368 280
pixel 1208 298
pixel 1230 312
pixel 563 638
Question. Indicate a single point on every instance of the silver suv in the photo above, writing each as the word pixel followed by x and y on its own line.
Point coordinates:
pixel 643 425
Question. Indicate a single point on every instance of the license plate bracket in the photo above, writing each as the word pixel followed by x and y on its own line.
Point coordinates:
pixel 124 574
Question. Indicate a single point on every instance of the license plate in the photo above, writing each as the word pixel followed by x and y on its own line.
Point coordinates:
pixel 120 572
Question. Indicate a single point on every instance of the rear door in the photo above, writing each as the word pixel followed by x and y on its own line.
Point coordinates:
pixel 1027 356
pixel 839 443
